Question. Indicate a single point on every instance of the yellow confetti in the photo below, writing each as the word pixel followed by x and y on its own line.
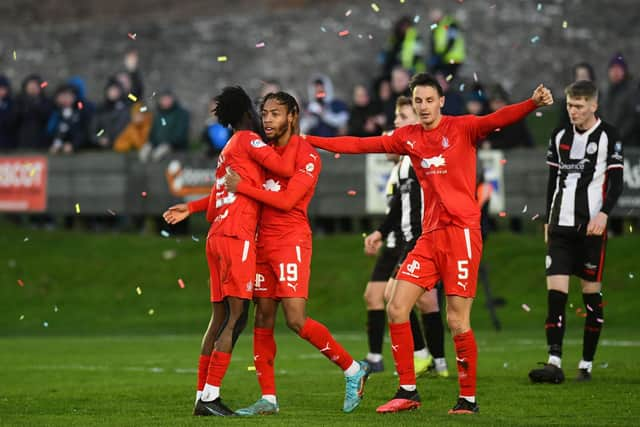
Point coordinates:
pixel 32 172
pixel 222 59
pixel 15 57
pixel 449 77
pixel 564 24
pixel 375 7
pixel 78 208
pixel 251 368
pixel 138 290
pixel 151 312
pixel 132 97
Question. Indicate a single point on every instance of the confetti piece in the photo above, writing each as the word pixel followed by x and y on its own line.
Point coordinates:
pixel 251 368
pixel 536 216
pixel 535 39
pixel 222 58
pixel 181 283
pixel 599 320
pixel 26 239
pixel 336 156
pixel 502 214
pixel 43 85
pixel 15 57
pixel 449 77
pixel 164 233
pixel 259 45
pixel 505 365
pixel 163 121
pixel 100 132
pixel 433 26
pixel 605 365
pixel 364 235
pixel 168 254
pixel 143 194
pixel 55 309
pixel 630 228
pixel 539 8
pixel 526 308
pixel 589 307
pixel 151 312
pixel 538 113
pixel 630 275
pixel 564 24
pixel 570 305
pixel 21 283
pixel 195 239
pixel 370 37
pixel 132 97
pixel 375 7
pixel 324 30
pixel 524 210
pixel 343 33
pixel 112 213
pixel 21 317
pixel 132 36
pixel 461 88
pixel 139 290
pixel 475 76
pixel 503 161
pixel 80 105
pixel 45 324
pixel 347 13
pixel 351 192
pixel 78 208
pixel 416 19
pixel 143 109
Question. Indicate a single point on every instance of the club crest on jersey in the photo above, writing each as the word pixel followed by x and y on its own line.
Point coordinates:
pixel 310 167
pixel 271 185
pixel 592 147
pixel 256 143
pixel 445 142
pixel 435 161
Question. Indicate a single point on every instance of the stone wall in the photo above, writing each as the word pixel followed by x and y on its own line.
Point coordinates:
pixel 180 41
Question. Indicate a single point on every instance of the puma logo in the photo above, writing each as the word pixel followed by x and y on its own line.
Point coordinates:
pixel 326 348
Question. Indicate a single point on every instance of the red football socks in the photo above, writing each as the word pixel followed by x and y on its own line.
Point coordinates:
pixel 402 346
pixel 203 368
pixel 467 361
pixel 218 367
pixel 320 337
pixel 264 354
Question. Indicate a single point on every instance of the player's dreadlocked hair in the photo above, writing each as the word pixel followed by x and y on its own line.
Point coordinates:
pixel 282 98
pixel 233 103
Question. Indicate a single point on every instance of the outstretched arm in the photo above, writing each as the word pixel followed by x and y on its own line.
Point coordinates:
pixel 198 205
pixel 505 116
pixel 267 157
pixel 283 200
pixel 354 145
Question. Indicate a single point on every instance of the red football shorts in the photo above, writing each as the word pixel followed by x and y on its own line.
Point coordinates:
pixel 232 267
pixel 283 271
pixel 451 254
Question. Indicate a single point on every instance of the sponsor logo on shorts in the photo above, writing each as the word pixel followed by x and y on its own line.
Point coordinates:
pixel 258 284
pixel 412 268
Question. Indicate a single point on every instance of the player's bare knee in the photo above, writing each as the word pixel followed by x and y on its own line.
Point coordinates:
pixel 374 300
pixel 295 322
pixel 457 324
pixel 397 312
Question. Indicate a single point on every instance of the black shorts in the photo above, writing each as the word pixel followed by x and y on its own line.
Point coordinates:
pixel 386 263
pixel 572 252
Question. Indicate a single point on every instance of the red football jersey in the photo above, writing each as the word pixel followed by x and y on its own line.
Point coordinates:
pixel 444 159
pixel 232 214
pixel 284 218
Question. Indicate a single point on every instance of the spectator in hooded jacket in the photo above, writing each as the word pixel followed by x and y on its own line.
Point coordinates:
pixel 170 129
pixel 364 118
pixel 111 117
pixel 131 65
pixel 136 134
pixel 7 134
pixel 325 115
pixel 617 105
pixel 69 123
pixel 31 113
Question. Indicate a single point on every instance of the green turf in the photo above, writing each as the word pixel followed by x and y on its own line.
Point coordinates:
pixel 104 360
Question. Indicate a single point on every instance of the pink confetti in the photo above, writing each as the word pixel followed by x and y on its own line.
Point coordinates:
pixel 21 283
pixel 181 283
pixel 536 216
pixel 80 105
pixel 143 194
pixel 259 45
pixel 526 308
pixel 503 161
pixel 112 213
pixel 336 156
pixel 132 36
pixel 43 85
pixel 589 307
pixel 502 214
pixel 351 192
pixel 599 320
pixel 343 33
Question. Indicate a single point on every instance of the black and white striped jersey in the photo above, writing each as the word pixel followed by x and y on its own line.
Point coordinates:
pixel 406 208
pixel 391 190
pixel 583 161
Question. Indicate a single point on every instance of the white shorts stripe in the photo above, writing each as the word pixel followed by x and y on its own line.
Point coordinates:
pixel 298 254
pixel 467 239
pixel 245 251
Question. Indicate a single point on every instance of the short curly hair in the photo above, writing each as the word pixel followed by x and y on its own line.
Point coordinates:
pixel 232 104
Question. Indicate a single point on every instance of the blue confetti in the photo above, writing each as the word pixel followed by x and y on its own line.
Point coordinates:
pixel 535 39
